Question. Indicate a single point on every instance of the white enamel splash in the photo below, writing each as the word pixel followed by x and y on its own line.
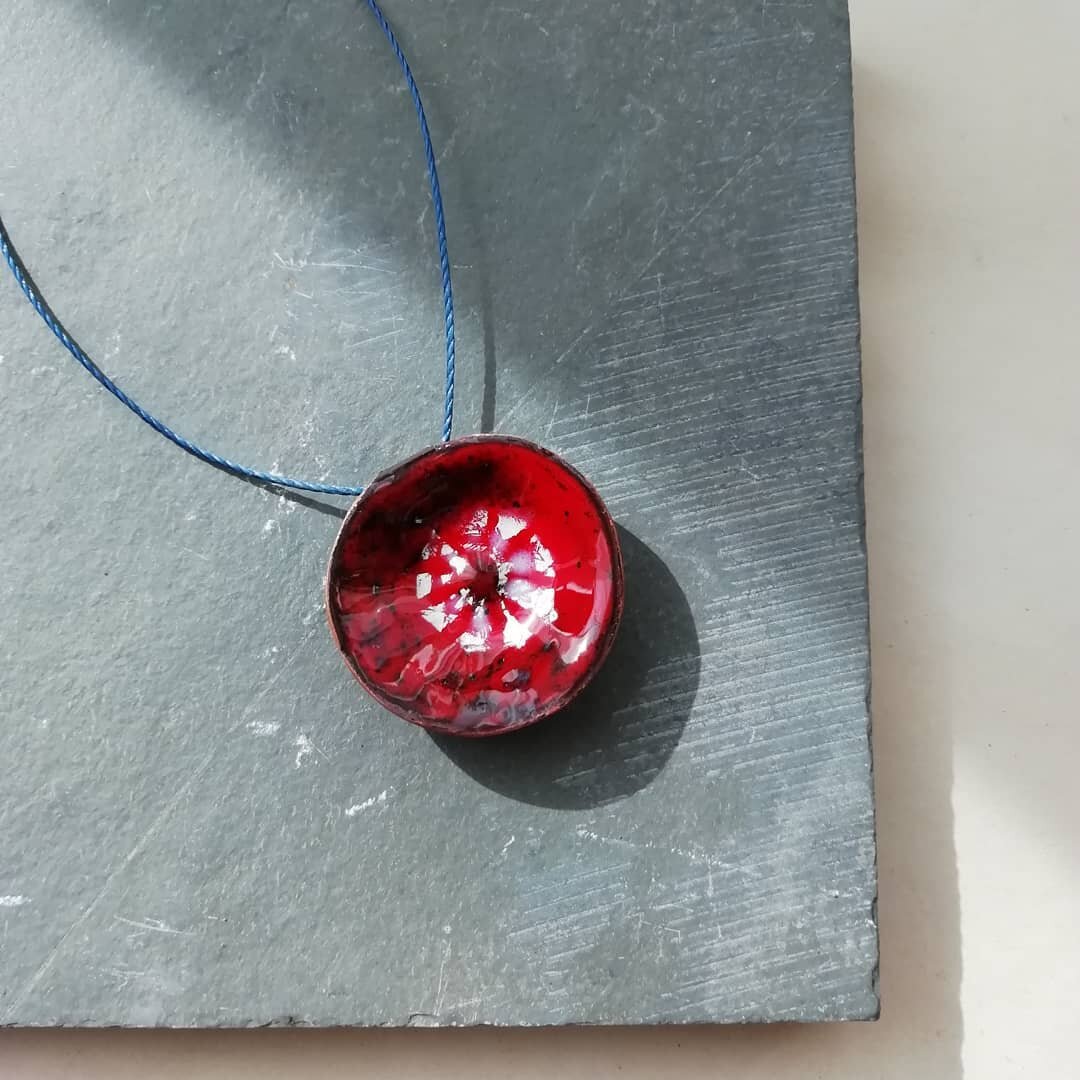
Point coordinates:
pixel 508 526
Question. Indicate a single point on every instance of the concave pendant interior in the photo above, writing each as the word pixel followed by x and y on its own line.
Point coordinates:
pixel 476 587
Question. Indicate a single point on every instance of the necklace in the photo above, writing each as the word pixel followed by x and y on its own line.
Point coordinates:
pixel 473 589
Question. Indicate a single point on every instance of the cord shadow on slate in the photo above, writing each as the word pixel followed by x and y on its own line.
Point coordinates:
pixel 308 502
pixel 617 736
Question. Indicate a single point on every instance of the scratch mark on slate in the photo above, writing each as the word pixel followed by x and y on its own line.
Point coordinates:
pixel 155 925
pixel 367 804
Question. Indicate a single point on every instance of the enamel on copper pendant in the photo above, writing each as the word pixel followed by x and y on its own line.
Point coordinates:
pixel 477 587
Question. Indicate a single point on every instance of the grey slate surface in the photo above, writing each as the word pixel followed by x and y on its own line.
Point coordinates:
pixel 202 821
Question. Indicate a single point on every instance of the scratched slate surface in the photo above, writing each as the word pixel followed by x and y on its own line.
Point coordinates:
pixel 202 821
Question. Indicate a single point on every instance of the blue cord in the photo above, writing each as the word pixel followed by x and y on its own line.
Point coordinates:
pixel 22 276
pixel 440 222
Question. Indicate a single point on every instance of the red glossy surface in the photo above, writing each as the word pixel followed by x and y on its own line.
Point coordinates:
pixel 477 587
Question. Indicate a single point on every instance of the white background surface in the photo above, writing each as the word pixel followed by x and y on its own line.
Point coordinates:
pixel 968 152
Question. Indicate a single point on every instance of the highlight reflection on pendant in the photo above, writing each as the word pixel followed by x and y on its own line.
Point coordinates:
pixel 477 587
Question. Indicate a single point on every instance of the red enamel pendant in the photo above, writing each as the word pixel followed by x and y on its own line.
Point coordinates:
pixel 477 587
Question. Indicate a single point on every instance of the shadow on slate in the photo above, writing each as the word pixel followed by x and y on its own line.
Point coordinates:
pixel 618 735
pixel 309 89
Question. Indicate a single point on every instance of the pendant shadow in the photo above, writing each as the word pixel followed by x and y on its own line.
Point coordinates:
pixel 617 736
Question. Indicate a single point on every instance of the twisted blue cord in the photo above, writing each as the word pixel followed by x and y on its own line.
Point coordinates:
pixel 22 276
pixel 440 222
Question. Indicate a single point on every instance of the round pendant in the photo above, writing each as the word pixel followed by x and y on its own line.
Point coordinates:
pixel 477 587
